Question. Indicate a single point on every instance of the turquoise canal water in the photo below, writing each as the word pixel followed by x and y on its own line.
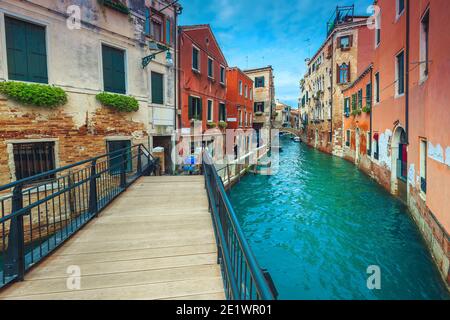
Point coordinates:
pixel 319 223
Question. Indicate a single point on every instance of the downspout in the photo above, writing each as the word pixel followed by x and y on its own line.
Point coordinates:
pixel 408 18
pixel 371 111
pixel 175 88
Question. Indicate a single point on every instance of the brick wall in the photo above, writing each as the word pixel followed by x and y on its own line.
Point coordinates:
pixel 75 142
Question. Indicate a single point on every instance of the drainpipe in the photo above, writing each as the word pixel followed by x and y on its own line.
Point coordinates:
pixel 175 93
pixel 371 111
pixel 408 18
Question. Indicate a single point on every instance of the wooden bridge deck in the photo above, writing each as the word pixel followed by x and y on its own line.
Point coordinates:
pixel 155 241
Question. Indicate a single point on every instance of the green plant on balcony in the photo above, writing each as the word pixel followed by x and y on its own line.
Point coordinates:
pixel 39 95
pixel 211 125
pixel 223 125
pixel 356 112
pixel 116 5
pixel 118 102
pixel 367 109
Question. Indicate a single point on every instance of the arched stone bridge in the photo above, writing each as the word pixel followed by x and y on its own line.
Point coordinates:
pixel 292 131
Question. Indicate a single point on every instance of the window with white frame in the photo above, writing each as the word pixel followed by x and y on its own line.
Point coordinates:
pixel 424 45
pixel 400 73
pixel 195 59
pixel 210 68
pixel 240 87
pixel 400 7
pixel 246 91
pixel 222 74
pixel 210 110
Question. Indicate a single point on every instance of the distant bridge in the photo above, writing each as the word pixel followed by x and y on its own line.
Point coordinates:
pixel 292 131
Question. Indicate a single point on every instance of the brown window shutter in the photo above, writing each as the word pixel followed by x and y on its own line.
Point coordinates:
pixel 350 41
pixel 338 43
pixel 337 74
pixel 349 73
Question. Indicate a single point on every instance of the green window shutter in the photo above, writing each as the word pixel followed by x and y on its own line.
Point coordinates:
pixel 26 51
pixel 37 54
pixel 190 107
pixel 113 69
pixel 168 32
pixel 157 88
pixel 16 49
pixel 200 109
pixel 255 107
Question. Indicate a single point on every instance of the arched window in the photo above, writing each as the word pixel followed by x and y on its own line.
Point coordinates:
pixel 344 73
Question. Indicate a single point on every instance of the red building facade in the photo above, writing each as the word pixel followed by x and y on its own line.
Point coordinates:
pixel 202 75
pixel 239 100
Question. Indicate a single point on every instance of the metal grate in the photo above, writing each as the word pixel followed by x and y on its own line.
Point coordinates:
pixel 34 158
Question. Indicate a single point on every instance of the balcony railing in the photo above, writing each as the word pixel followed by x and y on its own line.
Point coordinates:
pixel 39 216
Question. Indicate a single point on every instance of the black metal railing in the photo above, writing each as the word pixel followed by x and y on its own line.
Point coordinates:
pixel 38 216
pixel 243 278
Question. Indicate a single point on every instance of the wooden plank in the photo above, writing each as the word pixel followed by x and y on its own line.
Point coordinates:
pixel 156 241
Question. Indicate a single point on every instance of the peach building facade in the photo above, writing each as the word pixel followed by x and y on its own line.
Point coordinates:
pixel 411 140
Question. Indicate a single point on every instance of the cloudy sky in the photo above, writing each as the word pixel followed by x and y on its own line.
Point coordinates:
pixel 255 33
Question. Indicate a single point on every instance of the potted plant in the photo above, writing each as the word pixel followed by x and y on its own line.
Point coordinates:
pixel 223 125
pixel 211 125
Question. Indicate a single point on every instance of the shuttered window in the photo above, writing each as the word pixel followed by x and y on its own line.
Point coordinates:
pixel 222 112
pixel 259 82
pixel 401 73
pixel 26 51
pixel 157 88
pixel 195 59
pixel 113 69
pixel 369 94
pixel 195 108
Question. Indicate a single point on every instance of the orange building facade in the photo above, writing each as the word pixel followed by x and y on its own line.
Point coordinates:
pixel 396 114
pixel 202 74
pixel 357 120
pixel 239 100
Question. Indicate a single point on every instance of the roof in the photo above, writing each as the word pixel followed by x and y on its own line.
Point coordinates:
pixel 361 76
pixel 343 26
pixel 241 72
pixel 258 69
pixel 208 27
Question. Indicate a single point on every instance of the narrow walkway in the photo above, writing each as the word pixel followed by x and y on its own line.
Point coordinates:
pixel 156 241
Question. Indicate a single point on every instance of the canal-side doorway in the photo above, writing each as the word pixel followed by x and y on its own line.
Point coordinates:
pixel 399 173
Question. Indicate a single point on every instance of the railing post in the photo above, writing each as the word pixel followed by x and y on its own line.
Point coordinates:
pixel 139 161
pixel 123 174
pixel 15 253
pixel 93 197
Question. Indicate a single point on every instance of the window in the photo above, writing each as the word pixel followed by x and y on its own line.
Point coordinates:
pixel 34 158
pixel 156 27
pixel 354 101
pixel 259 82
pixel 424 45
pixel 210 110
pixel 369 144
pixel 113 69
pixel 240 118
pixel 343 73
pixel 402 162
pixel 210 68
pixel 378 29
pixel 369 94
pixel 222 75
pixel 400 70
pixel 157 88
pixel 26 51
pixel 347 107
pixel 345 42
pixel 400 7
pixel 168 32
pixel 347 138
pixel 423 165
pixel 246 91
pixel 360 98
pixel 259 107
pixel 377 87
pixel 222 112
pixel 195 59
pixel 195 108
pixel 240 87
pixel 251 94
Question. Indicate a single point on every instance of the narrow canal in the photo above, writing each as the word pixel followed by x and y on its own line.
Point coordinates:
pixel 319 223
